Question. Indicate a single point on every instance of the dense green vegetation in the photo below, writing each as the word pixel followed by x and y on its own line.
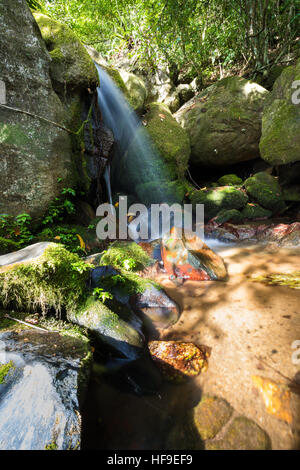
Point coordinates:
pixel 188 35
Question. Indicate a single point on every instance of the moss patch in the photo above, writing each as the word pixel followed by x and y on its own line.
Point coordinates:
pixel 5 369
pixel 56 280
pixel 265 189
pixel 230 180
pixel 71 64
pixel 214 200
pixel 128 256
pixel 225 215
pixel 255 211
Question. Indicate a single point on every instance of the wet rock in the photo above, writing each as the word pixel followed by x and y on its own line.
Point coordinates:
pixel 24 255
pixel 190 258
pixel 155 307
pixel 135 90
pixel 210 416
pixel 178 361
pixel 116 329
pixel 43 390
pixel 230 180
pixel 242 434
pixel 224 122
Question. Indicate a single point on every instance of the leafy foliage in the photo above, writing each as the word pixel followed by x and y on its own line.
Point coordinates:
pixel 197 34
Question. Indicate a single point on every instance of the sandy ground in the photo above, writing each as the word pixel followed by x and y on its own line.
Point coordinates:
pixel 250 328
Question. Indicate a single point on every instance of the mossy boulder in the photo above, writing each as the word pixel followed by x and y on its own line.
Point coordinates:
pixel 43 276
pixel 136 91
pixel 230 180
pixel 224 122
pixel 280 140
pixel 226 215
pixel 109 328
pixel 265 190
pixel 171 141
pixel 214 200
pixel 255 211
pixel 126 255
pixel 71 66
pixel 34 153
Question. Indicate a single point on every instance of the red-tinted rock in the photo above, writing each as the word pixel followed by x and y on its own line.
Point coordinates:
pixel 186 256
pixel 179 361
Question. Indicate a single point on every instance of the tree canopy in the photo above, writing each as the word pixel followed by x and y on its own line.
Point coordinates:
pixel 200 34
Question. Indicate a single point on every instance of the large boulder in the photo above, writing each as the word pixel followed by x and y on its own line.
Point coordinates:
pixel 136 91
pixel 280 140
pixel 35 154
pixel 224 122
pixel 43 380
pixel 71 65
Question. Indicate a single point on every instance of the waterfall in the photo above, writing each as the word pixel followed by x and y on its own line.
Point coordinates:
pixel 137 169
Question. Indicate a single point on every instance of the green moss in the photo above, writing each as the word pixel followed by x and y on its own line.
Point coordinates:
pixel 120 253
pixel 254 211
pixel 71 64
pixel 170 139
pixel 265 190
pixel 217 199
pixel 116 77
pixel 230 180
pixel 55 280
pixel 13 134
pixel 5 369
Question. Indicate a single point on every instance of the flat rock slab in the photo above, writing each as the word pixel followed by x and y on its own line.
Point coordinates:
pixel 40 391
pixel 24 255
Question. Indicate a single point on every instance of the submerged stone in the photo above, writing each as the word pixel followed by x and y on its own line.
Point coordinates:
pixel 43 391
pixel 155 307
pixel 190 258
pixel 178 361
pixel 210 415
pixel 109 328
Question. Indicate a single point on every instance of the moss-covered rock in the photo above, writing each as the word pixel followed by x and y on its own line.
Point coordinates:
pixel 255 211
pixel 210 415
pixel 280 140
pixel 127 255
pixel 34 153
pixel 118 333
pixel 71 65
pixel 224 122
pixel 228 214
pixel 265 190
pixel 44 276
pixel 136 91
pixel 214 200
pixel 171 141
pixel 230 180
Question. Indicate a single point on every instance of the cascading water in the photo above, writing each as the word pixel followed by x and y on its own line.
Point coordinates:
pixel 137 168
